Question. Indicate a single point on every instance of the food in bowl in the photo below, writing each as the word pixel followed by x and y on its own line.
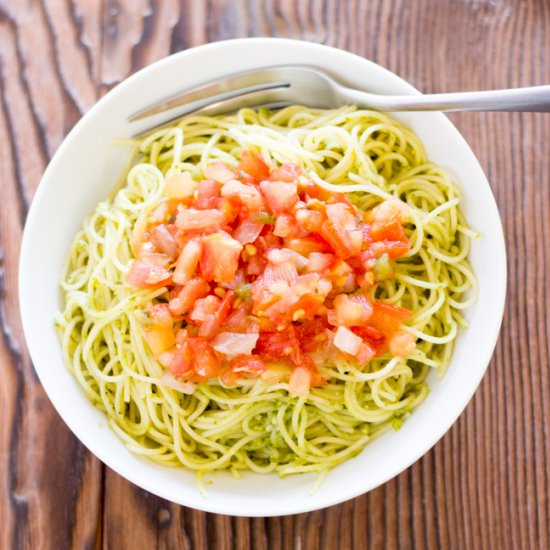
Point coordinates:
pixel 267 291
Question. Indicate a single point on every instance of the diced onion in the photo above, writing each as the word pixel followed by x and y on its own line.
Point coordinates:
pixel 283 255
pixel 279 272
pixel 347 341
pixel 234 343
pixel 173 383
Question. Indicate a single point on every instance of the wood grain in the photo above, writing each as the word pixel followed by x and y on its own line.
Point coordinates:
pixel 486 484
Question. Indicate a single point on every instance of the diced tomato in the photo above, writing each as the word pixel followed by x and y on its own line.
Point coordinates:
pixel 160 213
pixel 286 255
pixel 402 343
pixel 188 295
pixel 280 196
pixel 394 249
pixel 342 214
pixel 307 245
pixel 208 194
pixel 191 219
pixel 340 197
pixel 155 258
pixel 317 379
pixel 163 240
pixel 387 318
pixel 275 372
pixel 365 280
pixel 299 382
pixel 287 172
pixel 160 314
pixel 312 334
pixel 320 262
pixel 247 231
pixel 388 211
pixel 254 166
pixel 218 171
pixel 220 257
pixel 281 345
pixel 204 307
pixel 188 261
pixel 374 337
pixel 351 310
pixel 244 194
pixel 339 272
pixel 209 327
pixel 250 365
pixel 315 193
pixel 365 353
pixel 392 231
pixel 225 307
pixel 310 219
pixel 159 338
pixel 205 362
pixel 284 226
pixel 181 336
pixel 182 187
pixel 139 234
pixel 181 361
pixel 256 265
pixel 341 231
pixel 229 378
pixel 237 321
pixel 338 239
pixel 229 208
pixel 147 275
pixel 266 241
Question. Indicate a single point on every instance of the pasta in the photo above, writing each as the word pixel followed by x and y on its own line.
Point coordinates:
pixel 258 425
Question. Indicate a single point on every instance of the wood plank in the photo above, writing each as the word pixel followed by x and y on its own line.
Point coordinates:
pixel 52 490
pixel 486 483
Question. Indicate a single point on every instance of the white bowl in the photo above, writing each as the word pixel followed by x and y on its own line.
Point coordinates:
pixel 85 169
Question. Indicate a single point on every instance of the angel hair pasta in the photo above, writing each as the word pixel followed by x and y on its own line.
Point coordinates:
pixel 267 291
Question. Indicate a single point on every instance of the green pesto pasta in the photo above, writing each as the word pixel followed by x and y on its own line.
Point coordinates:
pixel 258 426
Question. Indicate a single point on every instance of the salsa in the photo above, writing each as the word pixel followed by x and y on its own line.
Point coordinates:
pixel 267 275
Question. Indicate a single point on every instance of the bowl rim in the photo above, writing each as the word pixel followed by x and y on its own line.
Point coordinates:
pixel 204 504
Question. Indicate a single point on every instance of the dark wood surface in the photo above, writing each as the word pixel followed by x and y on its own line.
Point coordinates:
pixel 486 484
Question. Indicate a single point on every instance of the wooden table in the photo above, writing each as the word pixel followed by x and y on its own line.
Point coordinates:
pixel 486 483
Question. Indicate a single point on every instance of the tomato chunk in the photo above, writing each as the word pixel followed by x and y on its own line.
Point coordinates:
pixel 280 345
pixel 247 364
pixel 188 261
pixel 147 275
pixel 280 196
pixel 218 171
pixel 159 338
pixel 387 318
pixel 402 343
pixel 245 194
pixel 181 186
pixel 288 172
pixel 208 194
pixel 254 166
pixel 186 297
pixel 220 257
pixel 338 239
pixel 191 219
pixel 205 362
pixel 300 382
pixel 351 310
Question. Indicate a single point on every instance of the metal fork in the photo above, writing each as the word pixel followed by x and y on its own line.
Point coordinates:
pixel 280 86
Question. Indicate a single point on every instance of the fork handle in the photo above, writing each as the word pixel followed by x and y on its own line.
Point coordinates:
pixel 533 99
